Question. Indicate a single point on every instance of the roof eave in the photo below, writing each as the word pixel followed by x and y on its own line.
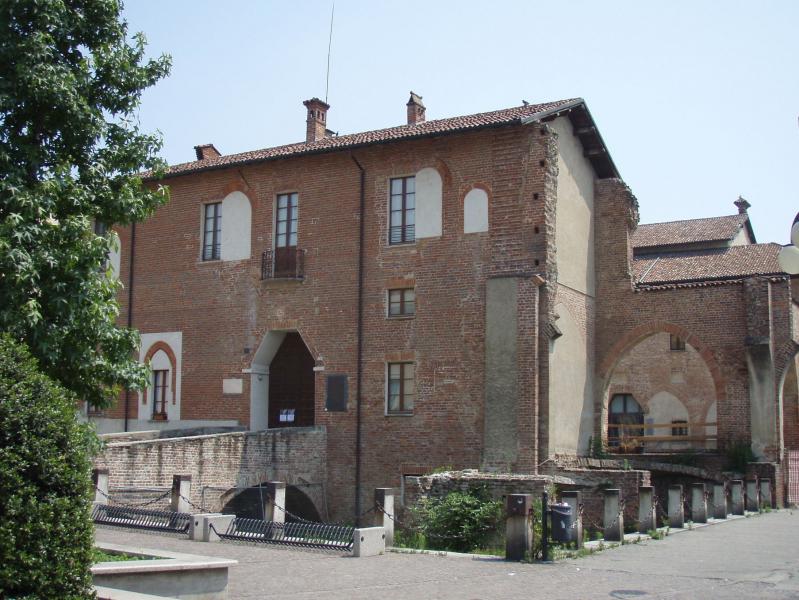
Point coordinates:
pixel 603 163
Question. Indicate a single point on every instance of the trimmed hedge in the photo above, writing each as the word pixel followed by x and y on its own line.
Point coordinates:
pixel 46 533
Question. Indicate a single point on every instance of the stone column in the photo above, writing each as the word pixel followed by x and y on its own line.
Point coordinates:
pixel 519 526
pixel 575 500
pixel 181 489
pixel 676 507
pixel 737 496
pixel 384 512
pixel 647 515
pixel 765 493
pixel 752 495
pixel 720 509
pixel 613 521
pixel 100 481
pixel 275 501
pixel 698 503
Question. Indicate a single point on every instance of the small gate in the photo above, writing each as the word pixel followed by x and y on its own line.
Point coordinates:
pixel 792 459
pixel 141 518
pixel 303 534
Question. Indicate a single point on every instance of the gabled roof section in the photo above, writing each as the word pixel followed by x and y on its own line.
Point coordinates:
pixel 719 264
pixel 527 113
pixel 690 232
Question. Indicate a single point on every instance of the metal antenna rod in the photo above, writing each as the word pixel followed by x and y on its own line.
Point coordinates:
pixel 329 45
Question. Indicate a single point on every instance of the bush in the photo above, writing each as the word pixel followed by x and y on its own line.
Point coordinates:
pixel 739 455
pixel 46 535
pixel 460 522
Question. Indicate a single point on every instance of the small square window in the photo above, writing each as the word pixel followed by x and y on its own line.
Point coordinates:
pixel 676 343
pixel 401 390
pixel 679 427
pixel 402 302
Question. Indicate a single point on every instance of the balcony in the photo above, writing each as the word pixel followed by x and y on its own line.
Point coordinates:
pixel 283 263
pixel 667 438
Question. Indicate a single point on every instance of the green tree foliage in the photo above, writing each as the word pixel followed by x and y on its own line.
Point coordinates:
pixel 71 154
pixel 45 484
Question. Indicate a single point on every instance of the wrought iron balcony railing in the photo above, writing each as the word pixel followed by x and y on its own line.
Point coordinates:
pixel 283 263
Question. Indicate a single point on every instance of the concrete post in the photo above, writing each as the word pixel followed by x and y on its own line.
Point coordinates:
pixel 575 500
pixel 100 481
pixel 676 507
pixel 647 517
pixel 737 496
pixel 274 501
pixel 765 493
pixel 384 512
pixel 752 495
pixel 519 526
pixel 698 503
pixel 613 521
pixel 200 526
pixel 368 541
pixel 181 489
pixel 720 508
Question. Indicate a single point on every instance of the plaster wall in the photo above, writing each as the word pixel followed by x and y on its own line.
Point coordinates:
pixel 236 227
pixel 428 203
pixel 575 212
pixel 475 211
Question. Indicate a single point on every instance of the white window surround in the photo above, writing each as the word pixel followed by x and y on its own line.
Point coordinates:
pixel 160 360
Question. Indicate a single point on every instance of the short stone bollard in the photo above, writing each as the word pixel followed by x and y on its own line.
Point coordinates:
pixel 647 517
pixel 384 512
pixel 752 495
pixel 698 503
pixel 720 508
pixel 766 499
pixel 575 500
pixel 518 526
pixel 181 490
pixel 275 501
pixel 368 541
pixel 100 481
pixel 676 507
pixel 200 528
pixel 613 520
pixel 737 496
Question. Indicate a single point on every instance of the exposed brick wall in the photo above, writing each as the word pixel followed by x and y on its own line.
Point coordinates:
pixel 220 461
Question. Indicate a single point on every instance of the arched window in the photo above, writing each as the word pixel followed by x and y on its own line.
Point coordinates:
pixel 625 423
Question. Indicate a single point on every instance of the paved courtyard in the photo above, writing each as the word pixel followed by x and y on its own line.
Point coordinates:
pixel 756 557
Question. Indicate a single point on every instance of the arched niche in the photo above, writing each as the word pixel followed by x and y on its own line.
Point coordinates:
pixel 475 211
pixel 236 227
pixel 429 190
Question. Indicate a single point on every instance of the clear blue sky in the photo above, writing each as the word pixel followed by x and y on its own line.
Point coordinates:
pixel 697 101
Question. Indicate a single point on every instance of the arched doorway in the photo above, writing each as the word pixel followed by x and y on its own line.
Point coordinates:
pixel 282 385
pixel 249 504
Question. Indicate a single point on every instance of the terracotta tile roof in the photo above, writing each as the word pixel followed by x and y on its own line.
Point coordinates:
pixel 718 264
pixel 330 144
pixel 692 231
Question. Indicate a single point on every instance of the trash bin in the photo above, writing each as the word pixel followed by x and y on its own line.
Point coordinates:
pixel 563 529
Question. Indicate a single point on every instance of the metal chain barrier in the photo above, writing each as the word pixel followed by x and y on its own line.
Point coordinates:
pixel 135 504
pixel 192 504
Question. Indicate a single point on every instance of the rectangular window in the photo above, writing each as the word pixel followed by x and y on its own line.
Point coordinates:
pixel 160 379
pixel 401 303
pixel 676 343
pixel 212 231
pixel 401 388
pixel 402 211
pixel 286 224
pixel 681 429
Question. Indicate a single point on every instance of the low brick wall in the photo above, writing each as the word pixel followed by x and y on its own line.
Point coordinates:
pixel 141 469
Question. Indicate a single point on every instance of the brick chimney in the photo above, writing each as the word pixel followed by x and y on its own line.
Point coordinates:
pixel 206 151
pixel 415 109
pixel 317 119
pixel 742 205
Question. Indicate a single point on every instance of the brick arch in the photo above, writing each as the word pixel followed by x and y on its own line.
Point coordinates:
pixel 159 345
pixel 638 334
pixel 477 185
pixel 444 171
pixel 237 185
pixel 782 360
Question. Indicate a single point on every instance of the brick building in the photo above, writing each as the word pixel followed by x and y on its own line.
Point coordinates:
pixel 472 292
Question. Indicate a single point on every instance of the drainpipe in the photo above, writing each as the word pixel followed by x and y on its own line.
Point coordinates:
pixel 130 304
pixel 359 352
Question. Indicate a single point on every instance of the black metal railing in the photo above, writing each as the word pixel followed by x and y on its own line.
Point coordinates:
pixel 304 534
pixel 141 518
pixel 283 263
